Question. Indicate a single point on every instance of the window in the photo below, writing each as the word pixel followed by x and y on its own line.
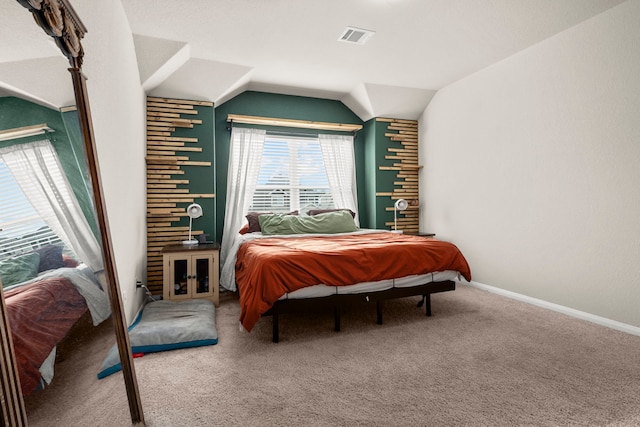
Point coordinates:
pixel 283 174
pixel 35 165
pixel 292 176
pixel 21 228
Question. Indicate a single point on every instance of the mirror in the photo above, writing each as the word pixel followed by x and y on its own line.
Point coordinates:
pixel 62 29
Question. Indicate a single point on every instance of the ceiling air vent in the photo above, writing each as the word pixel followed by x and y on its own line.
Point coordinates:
pixel 356 35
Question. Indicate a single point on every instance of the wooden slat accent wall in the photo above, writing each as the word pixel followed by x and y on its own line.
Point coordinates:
pixel 168 192
pixel 403 151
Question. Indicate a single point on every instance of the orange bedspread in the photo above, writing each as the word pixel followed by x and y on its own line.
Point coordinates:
pixel 268 268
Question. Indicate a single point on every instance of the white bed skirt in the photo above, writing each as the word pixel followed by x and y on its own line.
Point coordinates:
pixel 319 291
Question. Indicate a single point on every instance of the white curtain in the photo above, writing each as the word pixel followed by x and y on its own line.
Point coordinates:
pixel 339 161
pixel 36 168
pixel 245 157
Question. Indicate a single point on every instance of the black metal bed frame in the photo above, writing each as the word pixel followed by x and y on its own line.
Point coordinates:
pixel 337 301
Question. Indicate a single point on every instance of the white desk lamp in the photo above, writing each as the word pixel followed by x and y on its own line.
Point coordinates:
pixel 194 210
pixel 400 205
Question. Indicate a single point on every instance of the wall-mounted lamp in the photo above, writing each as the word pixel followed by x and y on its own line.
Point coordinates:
pixel 400 205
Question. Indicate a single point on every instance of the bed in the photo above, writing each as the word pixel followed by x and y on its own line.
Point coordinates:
pixel 42 310
pixel 276 272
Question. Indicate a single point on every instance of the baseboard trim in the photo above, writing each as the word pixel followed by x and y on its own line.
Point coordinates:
pixel 603 321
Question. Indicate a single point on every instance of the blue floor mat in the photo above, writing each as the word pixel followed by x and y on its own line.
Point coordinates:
pixel 167 325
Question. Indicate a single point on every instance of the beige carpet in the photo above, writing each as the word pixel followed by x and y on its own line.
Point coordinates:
pixel 481 360
pixel 75 397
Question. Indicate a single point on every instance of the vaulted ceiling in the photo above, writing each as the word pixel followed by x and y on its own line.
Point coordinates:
pixel 214 49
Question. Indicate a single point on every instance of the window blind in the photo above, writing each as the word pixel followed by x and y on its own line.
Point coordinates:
pixel 292 176
pixel 21 228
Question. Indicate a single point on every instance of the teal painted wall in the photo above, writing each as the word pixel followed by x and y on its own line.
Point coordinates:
pixel 286 107
pixel 66 139
pixel 370 166
pixel 201 178
pixel 378 180
pixel 384 178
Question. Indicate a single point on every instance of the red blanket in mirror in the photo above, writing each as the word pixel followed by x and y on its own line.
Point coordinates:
pixel 40 315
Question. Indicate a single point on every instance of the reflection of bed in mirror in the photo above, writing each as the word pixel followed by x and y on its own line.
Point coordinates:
pixel 46 292
pixel 44 308
pixel 66 298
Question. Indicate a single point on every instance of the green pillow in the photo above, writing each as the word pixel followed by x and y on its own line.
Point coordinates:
pixel 19 269
pixel 326 223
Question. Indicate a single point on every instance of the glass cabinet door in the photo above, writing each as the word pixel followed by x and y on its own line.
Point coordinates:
pixel 202 273
pixel 180 277
pixel 191 273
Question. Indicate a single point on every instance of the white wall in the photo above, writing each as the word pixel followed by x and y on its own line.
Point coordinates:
pixel 532 167
pixel 118 110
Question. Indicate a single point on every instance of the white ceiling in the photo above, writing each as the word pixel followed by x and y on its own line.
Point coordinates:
pixel 214 49
pixel 30 60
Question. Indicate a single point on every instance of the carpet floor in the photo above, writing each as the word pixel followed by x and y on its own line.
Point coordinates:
pixel 480 360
